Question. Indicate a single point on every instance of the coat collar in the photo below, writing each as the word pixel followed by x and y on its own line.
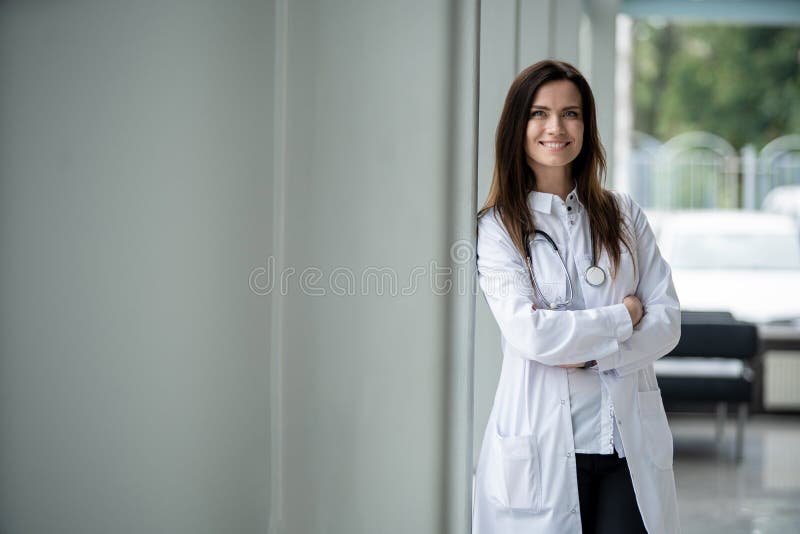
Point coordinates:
pixel 543 202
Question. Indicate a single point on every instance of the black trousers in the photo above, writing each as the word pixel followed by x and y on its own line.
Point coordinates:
pixel 605 490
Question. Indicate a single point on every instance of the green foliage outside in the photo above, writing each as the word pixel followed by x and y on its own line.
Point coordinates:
pixel 741 83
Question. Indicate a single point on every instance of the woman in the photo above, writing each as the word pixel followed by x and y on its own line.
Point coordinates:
pixel 577 439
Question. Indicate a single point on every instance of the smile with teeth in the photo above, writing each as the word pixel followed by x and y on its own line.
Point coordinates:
pixel 553 145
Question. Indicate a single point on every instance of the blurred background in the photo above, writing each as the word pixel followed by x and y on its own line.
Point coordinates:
pixel 712 150
pixel 237 291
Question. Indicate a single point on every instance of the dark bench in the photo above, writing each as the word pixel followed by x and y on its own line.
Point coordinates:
pixel 712 365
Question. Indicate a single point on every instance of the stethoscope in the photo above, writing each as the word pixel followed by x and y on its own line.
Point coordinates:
pixel 595 276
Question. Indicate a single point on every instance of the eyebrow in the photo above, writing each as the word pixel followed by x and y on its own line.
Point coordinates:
pixel 548 109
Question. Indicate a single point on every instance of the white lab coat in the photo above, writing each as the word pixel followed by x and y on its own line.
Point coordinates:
pixel 526 478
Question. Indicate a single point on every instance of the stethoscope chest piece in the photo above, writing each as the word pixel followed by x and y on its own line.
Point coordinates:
pixel 595 276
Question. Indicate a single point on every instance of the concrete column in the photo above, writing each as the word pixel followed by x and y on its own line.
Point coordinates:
pixel 623 107
pixel 602 67
pixel 135 184
pixel 378 188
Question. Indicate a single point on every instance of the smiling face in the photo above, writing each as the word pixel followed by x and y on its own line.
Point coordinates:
pixel 554 135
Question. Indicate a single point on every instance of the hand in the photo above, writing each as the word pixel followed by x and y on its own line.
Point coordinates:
pixel 635 308
pixel 584 365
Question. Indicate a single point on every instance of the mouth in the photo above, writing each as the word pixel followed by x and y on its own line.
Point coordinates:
pixel 554 146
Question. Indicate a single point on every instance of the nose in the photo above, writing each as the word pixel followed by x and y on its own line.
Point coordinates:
pixel 554 124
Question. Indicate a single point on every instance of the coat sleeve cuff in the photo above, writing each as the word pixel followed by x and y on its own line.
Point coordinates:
pixel 620 324
pixel 620 321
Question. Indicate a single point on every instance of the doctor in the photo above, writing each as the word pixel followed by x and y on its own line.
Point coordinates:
pixel 577 439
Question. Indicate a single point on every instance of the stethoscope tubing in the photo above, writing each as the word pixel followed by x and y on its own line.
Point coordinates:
pixel 592 273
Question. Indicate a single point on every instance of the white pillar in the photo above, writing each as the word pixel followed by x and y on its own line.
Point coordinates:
pixel 623 106
pixel 602 16
pixel 379 178
pixel 136 150
pixel 749 160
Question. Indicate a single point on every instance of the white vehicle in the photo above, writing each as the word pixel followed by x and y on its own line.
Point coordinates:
pixel 744 262
pixel 784 199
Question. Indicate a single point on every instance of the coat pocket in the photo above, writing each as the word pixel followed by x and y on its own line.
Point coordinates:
pixel 657 435
pixel 518 478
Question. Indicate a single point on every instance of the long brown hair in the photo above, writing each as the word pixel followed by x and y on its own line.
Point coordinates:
pixel 513 178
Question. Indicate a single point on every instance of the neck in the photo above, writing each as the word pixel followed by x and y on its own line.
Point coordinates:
pixel 554 180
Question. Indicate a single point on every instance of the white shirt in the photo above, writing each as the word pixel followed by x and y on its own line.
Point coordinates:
pixel 591 408
pixel 526 478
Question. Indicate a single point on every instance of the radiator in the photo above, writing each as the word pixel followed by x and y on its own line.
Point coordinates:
pixel 781 380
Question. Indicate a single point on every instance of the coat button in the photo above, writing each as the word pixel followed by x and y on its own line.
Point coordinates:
pixel 574 510
pixel 563 402
pixel 569 455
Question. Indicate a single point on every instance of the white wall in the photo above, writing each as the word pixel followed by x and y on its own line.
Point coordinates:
pixel 151 156
pixel 378 174
pixel 135 183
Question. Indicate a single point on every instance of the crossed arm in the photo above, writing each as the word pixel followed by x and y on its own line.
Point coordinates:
pixel 636 311
pixel 573 337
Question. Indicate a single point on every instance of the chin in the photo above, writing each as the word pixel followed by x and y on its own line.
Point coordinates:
pixel 558 161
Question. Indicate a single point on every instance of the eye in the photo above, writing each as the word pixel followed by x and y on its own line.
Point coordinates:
pixel 538 114
pixel 571 114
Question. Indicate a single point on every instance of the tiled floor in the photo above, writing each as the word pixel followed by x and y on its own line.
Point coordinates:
pixel 760 495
